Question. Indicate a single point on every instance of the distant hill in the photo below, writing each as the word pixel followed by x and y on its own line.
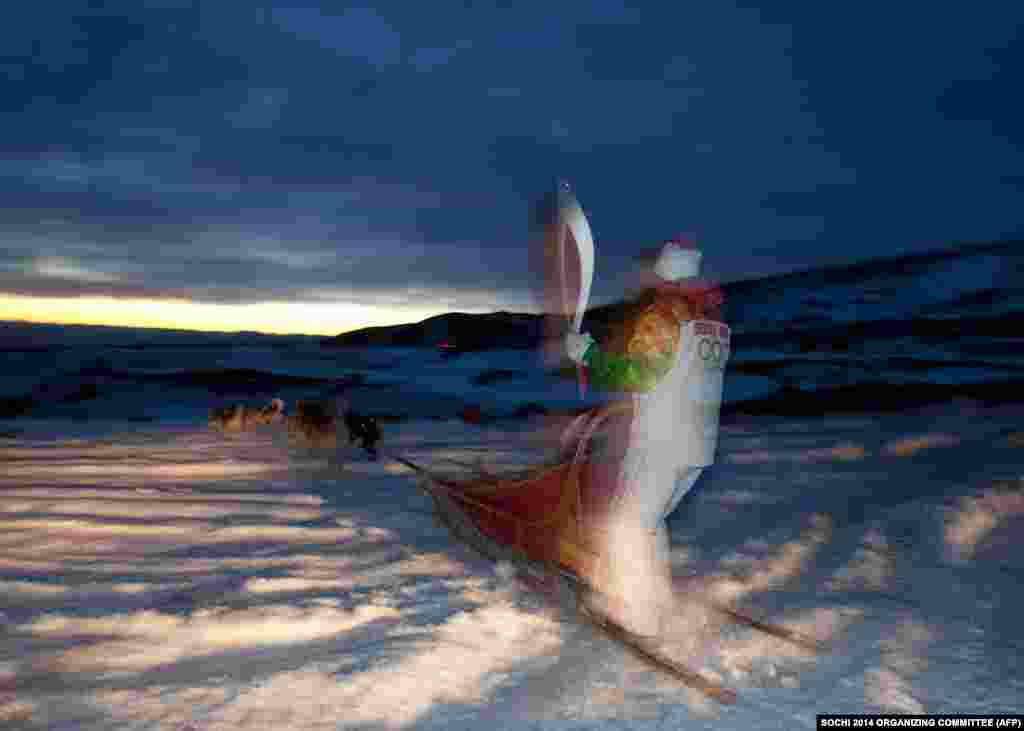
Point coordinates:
pixel 886 334
pixel 20 335
pixel 463 331
pixel 884 292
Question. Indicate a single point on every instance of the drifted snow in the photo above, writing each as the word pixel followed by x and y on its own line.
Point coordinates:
pixel 169 578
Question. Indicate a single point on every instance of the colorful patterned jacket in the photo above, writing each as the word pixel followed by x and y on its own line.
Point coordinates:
pixel 642 349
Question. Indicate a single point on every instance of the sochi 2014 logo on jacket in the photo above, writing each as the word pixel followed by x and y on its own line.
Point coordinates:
pixel 712 343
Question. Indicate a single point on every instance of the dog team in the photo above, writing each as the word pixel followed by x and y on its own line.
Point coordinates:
pixel 314 421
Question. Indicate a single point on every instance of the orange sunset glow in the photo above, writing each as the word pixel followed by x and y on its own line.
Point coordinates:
pixel 278 318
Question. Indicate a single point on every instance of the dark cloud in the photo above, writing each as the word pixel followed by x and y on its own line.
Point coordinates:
pixel 992 96
pixel 240 151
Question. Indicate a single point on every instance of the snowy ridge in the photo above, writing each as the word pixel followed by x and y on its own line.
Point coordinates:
pixel 890 333
pixel 885 334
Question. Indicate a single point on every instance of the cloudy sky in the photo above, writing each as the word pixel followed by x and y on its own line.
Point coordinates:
pixel 316 168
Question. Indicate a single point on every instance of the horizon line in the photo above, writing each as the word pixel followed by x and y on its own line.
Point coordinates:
pixel 949 250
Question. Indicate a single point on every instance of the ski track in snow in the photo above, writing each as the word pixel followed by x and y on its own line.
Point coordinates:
pixel 177 578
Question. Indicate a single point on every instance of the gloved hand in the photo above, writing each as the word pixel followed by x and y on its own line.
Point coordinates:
pixel 576 346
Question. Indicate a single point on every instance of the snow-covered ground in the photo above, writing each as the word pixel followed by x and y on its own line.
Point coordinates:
pixel 164 576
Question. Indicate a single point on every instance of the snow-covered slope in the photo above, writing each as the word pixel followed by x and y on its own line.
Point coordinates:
pixel 888 333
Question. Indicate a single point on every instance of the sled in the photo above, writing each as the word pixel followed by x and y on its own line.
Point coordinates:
pixel 547 520
pixel 550 513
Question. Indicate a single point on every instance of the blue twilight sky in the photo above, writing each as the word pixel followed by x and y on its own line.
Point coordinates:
pixel 316 167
